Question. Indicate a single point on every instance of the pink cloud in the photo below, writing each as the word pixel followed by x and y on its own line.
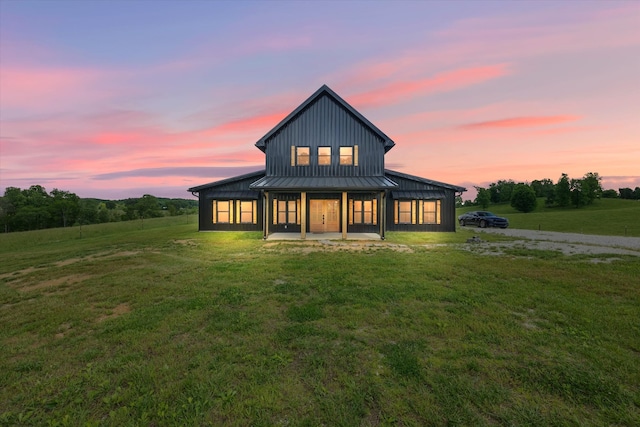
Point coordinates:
pixel 393 93
pixel 517 122
pixel 262 123
pixel 38 88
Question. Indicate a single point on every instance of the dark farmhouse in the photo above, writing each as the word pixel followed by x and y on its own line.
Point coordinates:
pixel 325 174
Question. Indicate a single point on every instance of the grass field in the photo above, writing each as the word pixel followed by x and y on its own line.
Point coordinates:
pixel 156 324
pixel 614 217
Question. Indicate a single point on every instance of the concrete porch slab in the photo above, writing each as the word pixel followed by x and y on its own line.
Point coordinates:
pixel 324 236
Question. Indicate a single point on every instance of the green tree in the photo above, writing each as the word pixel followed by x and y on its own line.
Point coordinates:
pixel 500 192
pixel 64 207
pixel 579 192
pixel 483 198
pixel 12 201
pixel 523 198
pixel 148 207
pixel 35 213
pixel 609 194
pixel 563 191
pixel 88 213
pixel 591 187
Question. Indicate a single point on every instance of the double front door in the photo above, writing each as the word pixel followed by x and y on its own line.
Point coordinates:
pixel 324 216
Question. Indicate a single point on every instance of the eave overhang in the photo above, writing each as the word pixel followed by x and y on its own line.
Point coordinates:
pixel 214 184
pixel 293 183
pixel 455 188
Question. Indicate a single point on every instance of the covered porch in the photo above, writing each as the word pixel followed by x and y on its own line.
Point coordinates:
pixel 324 208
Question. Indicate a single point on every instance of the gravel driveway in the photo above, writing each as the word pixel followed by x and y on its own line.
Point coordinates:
pixel 570 243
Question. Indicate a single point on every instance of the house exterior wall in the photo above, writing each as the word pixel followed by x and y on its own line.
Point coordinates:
pixel 234 190
pixel 324 123
pixel 447 205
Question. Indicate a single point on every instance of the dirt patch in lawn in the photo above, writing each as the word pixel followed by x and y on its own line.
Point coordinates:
pixel 186 242
pixel 100 255
pixel 333 246
pixel 116 311
pixel 66 280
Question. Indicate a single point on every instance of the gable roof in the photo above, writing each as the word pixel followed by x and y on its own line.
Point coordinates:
pixel 391 174
pixel 256 175
pixel 326 91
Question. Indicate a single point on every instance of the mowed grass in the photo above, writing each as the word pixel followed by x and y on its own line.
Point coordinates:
pixel 163 325
pixel 613 217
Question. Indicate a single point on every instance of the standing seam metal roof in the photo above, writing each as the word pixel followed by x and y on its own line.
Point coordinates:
pixel 323 183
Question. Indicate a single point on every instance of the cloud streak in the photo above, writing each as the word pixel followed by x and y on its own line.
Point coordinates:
pixel 196 172
pixel 399 91
pixel 520 122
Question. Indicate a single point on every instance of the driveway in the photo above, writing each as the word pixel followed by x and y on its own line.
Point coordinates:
pixel 571 243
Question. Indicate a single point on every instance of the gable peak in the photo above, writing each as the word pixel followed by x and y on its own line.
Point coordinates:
pixel 322 91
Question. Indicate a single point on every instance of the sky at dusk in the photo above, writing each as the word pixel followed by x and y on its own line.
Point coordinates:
pixel 115 99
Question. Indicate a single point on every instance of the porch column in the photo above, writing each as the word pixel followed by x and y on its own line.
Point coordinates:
pixel 383 214
pixel 265 215
pixel 303 215
pixel 344 214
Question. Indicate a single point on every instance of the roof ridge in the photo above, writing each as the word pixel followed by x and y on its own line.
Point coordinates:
pixel 324 89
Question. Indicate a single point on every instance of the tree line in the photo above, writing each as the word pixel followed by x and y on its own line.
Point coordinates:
pixel 34 208
pixel 565 192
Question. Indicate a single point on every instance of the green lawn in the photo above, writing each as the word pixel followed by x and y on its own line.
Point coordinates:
pixel 614 217
pixel 161 325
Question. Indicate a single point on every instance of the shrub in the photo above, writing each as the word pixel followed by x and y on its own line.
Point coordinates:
pixel 523 198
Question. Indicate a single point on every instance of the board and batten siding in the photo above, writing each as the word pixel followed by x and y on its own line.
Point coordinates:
pixel 448 218
pixel 207 196
pixel 325 123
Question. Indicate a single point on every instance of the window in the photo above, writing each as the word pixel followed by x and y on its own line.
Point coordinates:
pixel 346 156
pixel 299 156
pixel 286 211
pixel 416 211
pixel 430 212
pixel 245 212
pixel 363 211
pixel 404 211
pixel 222 211
pixel 324 155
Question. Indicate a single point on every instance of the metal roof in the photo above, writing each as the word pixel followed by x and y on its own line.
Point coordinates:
pixel 242 195
pixel 418 194
pixel 323 183
pixel 226 181
pixel 325 90
pixel 424 180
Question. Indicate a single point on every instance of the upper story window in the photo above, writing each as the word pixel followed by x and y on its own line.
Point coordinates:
pixel 299 156
pixel 346 156
pixel 324 155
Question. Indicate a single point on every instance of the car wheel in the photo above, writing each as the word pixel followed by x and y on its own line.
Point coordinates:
pixel 462 223
pixel 483 223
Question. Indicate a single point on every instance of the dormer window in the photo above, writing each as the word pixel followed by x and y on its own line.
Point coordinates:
pixel 324 156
